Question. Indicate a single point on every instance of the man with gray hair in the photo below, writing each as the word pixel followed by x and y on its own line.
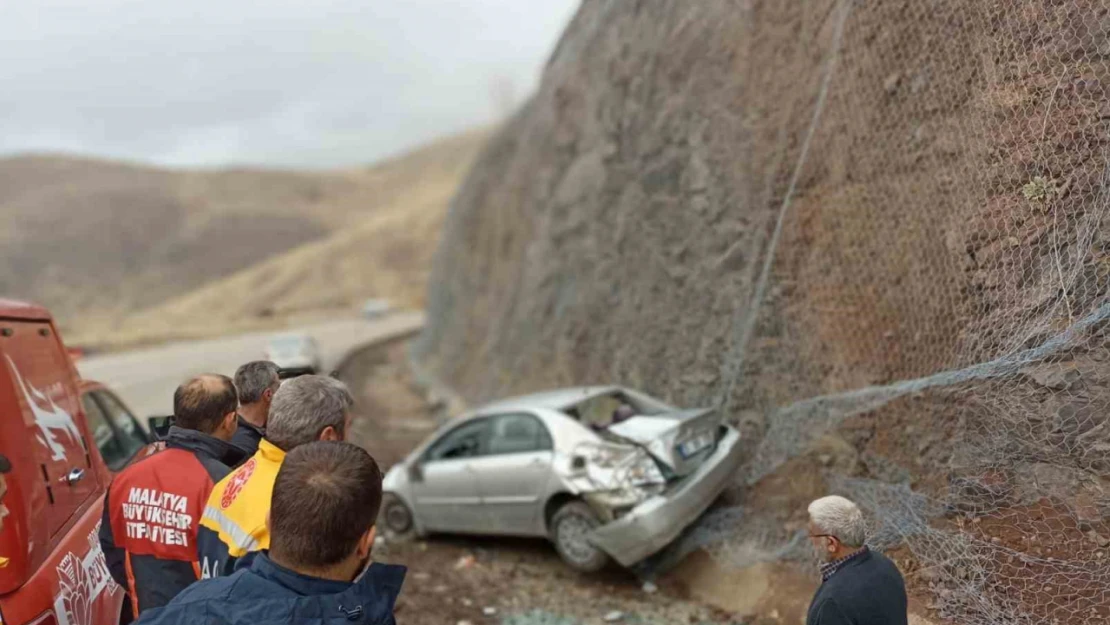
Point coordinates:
pixel 859 586
pixel 255 383
pixel 304 409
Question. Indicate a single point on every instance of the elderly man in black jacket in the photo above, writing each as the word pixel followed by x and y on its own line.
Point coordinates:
pixel 860 586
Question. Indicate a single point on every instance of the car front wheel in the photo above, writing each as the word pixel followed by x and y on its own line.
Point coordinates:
pixel 397 516
pixel 571 527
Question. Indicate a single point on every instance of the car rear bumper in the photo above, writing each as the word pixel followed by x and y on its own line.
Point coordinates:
pixel 653 524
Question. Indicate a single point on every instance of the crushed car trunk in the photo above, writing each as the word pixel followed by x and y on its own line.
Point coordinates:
pixel 681 440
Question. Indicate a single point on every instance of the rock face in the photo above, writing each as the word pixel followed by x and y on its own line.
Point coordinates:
pixel 611 231
pixel 883 219
pixel 937 209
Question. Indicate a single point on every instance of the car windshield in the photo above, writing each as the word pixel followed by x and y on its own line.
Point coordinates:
pixel 599 411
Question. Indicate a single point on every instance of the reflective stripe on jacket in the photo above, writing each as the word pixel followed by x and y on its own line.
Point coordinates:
pixel 233 523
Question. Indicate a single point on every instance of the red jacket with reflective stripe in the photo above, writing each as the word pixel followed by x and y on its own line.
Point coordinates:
pixel 151 514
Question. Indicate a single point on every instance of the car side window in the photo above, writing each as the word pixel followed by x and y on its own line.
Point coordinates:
pixel 518 433
pixel 466 441
pixel 130 433
pixel 106 440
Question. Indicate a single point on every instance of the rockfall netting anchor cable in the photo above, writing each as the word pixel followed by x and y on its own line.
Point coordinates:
pixel 836 407
pixel 735 359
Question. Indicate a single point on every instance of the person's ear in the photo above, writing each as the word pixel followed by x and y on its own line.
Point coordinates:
pixel 832 544
pixel 330 434
pixel 231 422
pixel 268 395
pixel 366 543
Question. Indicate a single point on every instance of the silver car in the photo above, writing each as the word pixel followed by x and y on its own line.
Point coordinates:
pixel 603 472
pixel 296 353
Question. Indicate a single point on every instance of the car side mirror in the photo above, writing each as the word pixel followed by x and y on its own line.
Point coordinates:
pixel 159 426
pixel 416 472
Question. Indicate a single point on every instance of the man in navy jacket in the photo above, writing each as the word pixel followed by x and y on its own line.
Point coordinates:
pixel 860 587
pixel 325 503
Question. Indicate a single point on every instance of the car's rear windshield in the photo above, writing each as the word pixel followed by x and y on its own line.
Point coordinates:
pixel 598 411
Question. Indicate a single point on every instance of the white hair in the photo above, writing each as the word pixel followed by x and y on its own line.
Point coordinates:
pixel 841 518
pixel 303 407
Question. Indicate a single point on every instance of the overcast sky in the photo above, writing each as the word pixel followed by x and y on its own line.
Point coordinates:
pixel 313 83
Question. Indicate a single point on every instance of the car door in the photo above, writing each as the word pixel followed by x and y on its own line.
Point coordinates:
pixel 514 474
pixel 48 405
pixel 445 490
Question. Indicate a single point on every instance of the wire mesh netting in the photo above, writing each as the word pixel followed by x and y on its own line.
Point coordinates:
pixel 873 232
pixel 949 287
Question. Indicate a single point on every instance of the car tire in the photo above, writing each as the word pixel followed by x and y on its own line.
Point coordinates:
pixel 397 516
pixel 571 526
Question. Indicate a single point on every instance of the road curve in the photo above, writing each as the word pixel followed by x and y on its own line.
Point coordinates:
pixel 146 378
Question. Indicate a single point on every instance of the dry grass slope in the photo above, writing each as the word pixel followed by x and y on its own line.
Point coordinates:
pixel 116 250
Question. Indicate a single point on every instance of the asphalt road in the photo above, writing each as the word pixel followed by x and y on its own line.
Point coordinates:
pixel 146 378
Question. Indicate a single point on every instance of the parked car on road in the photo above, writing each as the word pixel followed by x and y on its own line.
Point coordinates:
pixel 603 472
pixel 374 308
pixel 63 438
pixel 295 353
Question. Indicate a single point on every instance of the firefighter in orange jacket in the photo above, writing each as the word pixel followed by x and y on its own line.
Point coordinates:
pixel 153 507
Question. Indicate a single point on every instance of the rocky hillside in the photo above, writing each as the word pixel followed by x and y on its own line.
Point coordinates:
pixel 871 232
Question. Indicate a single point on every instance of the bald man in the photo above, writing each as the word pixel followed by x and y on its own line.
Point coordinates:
pixel 153 508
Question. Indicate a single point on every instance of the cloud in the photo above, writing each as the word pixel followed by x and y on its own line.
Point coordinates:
pixel 308 83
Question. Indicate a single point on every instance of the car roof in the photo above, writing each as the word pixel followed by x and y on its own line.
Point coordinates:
pixel 15 309
pixel 560 399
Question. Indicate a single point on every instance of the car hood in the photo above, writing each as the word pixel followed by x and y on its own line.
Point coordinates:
pixel 681 439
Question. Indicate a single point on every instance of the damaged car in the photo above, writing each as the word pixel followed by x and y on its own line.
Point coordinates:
pixel 605 473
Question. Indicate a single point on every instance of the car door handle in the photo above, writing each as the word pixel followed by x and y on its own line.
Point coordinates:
pixel 74 476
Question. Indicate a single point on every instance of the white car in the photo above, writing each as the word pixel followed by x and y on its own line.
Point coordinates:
pixel 603 472
pixel 374 308
pixel 294 353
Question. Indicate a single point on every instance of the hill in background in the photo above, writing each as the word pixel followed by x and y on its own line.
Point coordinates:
pixel 117 250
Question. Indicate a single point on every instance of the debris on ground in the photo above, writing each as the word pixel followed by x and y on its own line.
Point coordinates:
pixel 465 562
pixel 614 616
pixel 650 588
pixel 490 611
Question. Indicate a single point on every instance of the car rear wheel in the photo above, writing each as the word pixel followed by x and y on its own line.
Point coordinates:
pixel 571 527
pixel 397 516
